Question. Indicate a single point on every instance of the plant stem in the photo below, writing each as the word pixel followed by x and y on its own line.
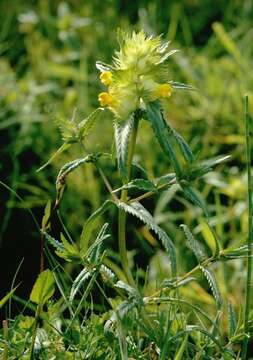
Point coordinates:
pixel 250 228
pixel 35 325
pixel 6 335
pixel 122 214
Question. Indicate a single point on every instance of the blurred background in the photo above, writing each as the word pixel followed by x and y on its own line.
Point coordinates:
pixel 48 51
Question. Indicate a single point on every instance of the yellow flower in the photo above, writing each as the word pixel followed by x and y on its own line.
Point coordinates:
pixel 106 99
pixel 162 91
pixel 106 78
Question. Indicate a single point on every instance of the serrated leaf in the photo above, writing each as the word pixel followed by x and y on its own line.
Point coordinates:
pixel 84 275
pixel 67 128
pixel 209 275
pixel 193 244
pixel 140 184
pixel 61 149
pixel 86 125
pixel 193 196
pixel 160 129
pixel 122 134
pixel 184 147
pixel 137 210
pixel 90 223
pixel 107 274
pixel 124 286
pixel 232 320
pixel 95 250
pixel 55 243
pixel 43 289
pixel 66 170
pixel 165 179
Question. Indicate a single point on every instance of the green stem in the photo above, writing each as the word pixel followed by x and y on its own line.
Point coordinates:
pixel 35 325
pixel 250 228
pixel 122 214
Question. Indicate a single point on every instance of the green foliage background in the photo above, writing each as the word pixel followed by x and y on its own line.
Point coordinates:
pixel 47 69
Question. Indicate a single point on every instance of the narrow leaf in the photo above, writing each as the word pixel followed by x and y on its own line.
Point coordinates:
pixel 91 223
pixel 136 209
pixel 86 125
pixel 122 134
pixel 232 320
pixel 193 196
pixel 4 300
pixel 140 184
pixel 64 147
pixel 84 275
pixel 159 126
pixel 181 350
pixel 193 244
pixel 213 285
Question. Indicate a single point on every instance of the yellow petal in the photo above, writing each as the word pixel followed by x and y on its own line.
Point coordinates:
pixel 106 78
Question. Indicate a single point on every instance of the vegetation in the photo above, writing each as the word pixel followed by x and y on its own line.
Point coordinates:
pixel 145 242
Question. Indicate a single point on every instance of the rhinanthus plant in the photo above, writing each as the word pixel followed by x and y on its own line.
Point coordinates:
pixel 140 73
pixel 141 323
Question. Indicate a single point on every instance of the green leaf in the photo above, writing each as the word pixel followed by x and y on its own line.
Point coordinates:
pixel 211 163
pixel 140 184
pixel 4 300
pixel 232 320
pixel 209 275
pixel 55 243
pixel 108 276
pixel 90 224
pixel 122 134
pixel 84 275
pixel 194 245
pixel 165 179
pixel 182 86
pixel 136 209
pixel 160 129
pixel 61 149
pixel 67 169
pixel 70 252
pixel 43 289
pixel 47 214
pixel 181 350
pixel 95 250
pixel 184 147
pixel 128 289
pixel 86 125
pixel 192 195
